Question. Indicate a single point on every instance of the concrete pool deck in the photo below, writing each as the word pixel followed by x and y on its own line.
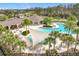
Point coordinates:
pixel 37 36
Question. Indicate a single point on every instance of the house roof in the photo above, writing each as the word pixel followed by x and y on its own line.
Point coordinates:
pixel 35 18
pixel 11 21
pixel 16 20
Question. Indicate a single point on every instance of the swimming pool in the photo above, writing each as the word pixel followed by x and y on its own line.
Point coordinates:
pixel 61 28
pixel 30 38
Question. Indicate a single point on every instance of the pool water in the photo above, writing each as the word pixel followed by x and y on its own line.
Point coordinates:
pixel 61 28
pixel 30 38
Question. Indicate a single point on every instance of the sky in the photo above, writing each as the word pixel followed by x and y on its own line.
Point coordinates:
pixel 26 5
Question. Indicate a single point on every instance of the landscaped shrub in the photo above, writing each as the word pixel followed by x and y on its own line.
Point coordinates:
pixel 25 32
pixel 52 53
pixel 47 53
pixel 13 26
pixel 47 26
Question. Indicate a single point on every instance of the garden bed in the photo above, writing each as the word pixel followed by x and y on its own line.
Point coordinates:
pixel 25 33
pixel 47 26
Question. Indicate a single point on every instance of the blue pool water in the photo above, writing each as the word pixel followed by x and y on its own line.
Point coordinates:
pixel 30 38
pixel 61 28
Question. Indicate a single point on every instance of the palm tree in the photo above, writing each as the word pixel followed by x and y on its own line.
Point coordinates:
pixel 61 37
pixel 54 35
pixel 26 22
pixel 72 18
pixel 8 41
pixel 76 43
pixel 70 24
pixel 21 45
pixel 68 39
pixel 76 30
pixel 1 28
pixel 49 41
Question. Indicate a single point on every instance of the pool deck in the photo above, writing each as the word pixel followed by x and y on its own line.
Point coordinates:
pixel 38 36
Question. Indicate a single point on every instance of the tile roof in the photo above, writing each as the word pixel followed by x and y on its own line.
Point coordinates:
pixel 35 18
pixel 15 20
pixel 11 21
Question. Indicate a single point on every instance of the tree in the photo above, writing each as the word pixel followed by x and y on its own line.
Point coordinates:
pixel 76 30
pixel 49 11
pixel 26 22
pixel 72 18
pixel 69 26
pixel 10 44
pixel 22 45
pixel 46 21
pixel 76 5
pixel 1 29
pixel 54 35
pixel 78 23
pixel 68 39
pixel 49 41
